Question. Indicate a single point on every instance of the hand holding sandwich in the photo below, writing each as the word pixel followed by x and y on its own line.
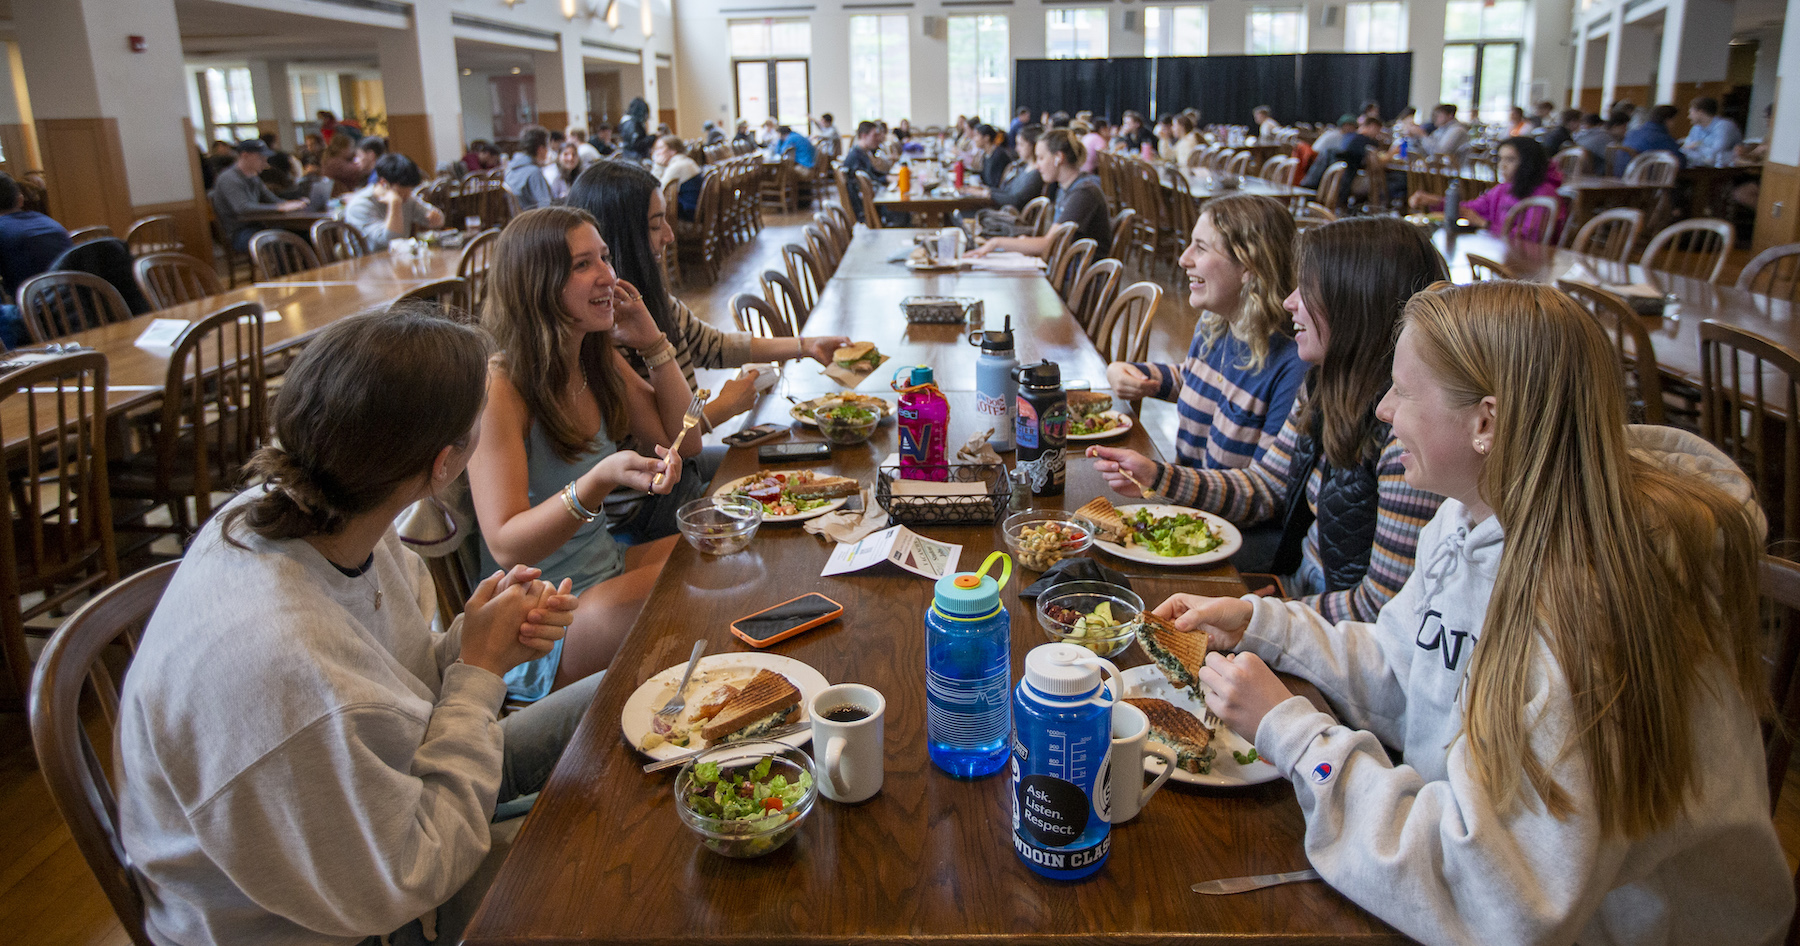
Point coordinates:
pixel 1115 462
pixel 1128 383
pixel 1223 619
pixel 1243 690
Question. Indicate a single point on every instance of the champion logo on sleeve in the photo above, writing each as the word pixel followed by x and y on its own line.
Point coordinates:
pixel 1322 772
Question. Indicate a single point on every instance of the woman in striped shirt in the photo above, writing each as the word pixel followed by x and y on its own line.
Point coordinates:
pixel 1332 479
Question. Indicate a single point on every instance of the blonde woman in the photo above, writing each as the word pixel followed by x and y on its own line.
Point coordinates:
pixel 1572 676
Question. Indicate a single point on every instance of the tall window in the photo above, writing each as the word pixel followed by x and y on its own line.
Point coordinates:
pixel 230 106
pixel 1075 33
pixel 1481 56
pixel 1276 30
pixel 312 92
pixel 1378 27
pixel 1175 31
pixel 880 81
pixel 980 67
pixel 770 64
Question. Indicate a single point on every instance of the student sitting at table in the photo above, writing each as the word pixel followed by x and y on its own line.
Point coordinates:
pixel 308 762
pixel 561 398
pixel 634 225
pixel 1075 197
pixel 996 158
pixel 1525 171
pixel 1023 184
pixel 1652 134
pixel 390 209
pixel 239 190
pixel 1574 676
pixel 525 172
pixel 1332 481
pixel 669 159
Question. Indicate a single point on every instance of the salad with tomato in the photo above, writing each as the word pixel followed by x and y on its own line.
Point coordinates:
pixel 780 493
pixel 747 794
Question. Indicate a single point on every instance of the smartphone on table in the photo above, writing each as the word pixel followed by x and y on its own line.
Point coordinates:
pixel 789 452
pixel 791 617
pixel 750 436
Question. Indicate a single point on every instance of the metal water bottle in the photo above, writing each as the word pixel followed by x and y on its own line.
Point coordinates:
pixel 1062 751
pixel 1042 427
pixel 1452 207
pixel 996 391
pixel 968 671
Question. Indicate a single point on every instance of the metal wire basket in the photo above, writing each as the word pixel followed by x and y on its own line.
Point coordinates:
pixel 987 507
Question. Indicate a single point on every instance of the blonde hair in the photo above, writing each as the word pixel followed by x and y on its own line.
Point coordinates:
pixel 1064 142
pixel 1257 233
pixel 1635 576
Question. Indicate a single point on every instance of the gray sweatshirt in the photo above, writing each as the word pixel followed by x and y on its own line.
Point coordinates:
pixel 301 767
pixel 1422 846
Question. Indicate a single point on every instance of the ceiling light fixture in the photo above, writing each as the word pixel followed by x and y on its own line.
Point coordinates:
pixel 570 9
pixel 468 72
pixel 646 19
pixel 515 70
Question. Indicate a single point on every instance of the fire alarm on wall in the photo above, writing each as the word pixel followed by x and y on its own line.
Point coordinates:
pixel 137 43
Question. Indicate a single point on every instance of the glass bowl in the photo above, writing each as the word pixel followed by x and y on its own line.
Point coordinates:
pixel 1083 598
pixel 747 839
pixel 1044 550
pixel 846 431
pixel 719 525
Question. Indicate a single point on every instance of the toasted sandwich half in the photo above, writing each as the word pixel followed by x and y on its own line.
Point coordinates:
pixel 1179 730
pixel 1088 403
pixel 764 704
pixel 1108 524
pixel 1178 653
pixel 825 487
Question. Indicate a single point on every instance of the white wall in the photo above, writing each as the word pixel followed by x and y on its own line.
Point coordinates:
pixel 477 105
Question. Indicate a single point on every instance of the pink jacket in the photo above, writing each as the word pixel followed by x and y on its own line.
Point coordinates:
pixel 1493 204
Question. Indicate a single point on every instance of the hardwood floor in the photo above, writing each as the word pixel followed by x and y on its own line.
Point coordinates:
pixel 49 898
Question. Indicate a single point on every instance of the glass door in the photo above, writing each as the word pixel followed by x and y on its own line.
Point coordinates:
pixel 753 91
pixel 1480 79
pixel 777 88
pixel 792 94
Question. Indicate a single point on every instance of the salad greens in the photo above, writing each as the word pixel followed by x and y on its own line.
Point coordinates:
pixel 1244 758
pixel 1173 536
pixel 748 795
pixel 1092 424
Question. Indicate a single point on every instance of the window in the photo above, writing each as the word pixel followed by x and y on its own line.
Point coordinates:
pixel 312 92
pixel 1378 27
pixel 1480 75
pixel 759 39
pixel 771 68
pixel 1277 30
pixel 229 105
pixel 1075 33
pixel 880 80
pixel 1175 31
pixel 1484 19
pixel 980 67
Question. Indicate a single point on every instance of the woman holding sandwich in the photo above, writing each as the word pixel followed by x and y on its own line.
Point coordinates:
pixel 560 397
pixel 1573 677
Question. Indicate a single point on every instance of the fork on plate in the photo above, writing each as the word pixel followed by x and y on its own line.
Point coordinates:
pixel 678 702
pixel 688 422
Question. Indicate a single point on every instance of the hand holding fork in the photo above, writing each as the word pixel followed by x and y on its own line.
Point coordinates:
pixel 1119 458
pixel 688 422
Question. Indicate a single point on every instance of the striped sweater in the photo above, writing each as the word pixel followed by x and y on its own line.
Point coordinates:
pixel 699 345
pixel 1255 494
pixel 1229 414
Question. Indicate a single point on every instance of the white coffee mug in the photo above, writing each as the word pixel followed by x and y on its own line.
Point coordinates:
pixel 1130 743
pixel 848 749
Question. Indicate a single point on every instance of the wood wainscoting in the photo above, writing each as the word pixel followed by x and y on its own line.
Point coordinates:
pixel 411 135
pixel 84 165
pixel 1780 185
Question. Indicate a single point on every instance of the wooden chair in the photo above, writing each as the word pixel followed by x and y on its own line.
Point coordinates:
pixel 1484 269
pixel 336 241
pixel 1124 332
pixel 56 304
pixel 1572 162
pixel 1774 272
pixel 1655 168
pixel 1779 585
pixel 1331 186
pixel 278 253
pixel 170 279
pixel 865 189
pixel 671 257
pixel 153 234
pixel 450 295
pixel 1239 164
pixel 803 270
pixel 1094 292
pixel 472 267
pixel 1694 248
pixel 79 783
pixel 1314 214
pixel 1637 359
pixel 78 237
pixel 1075 260
pixel 212 420
pixel 1618 156
pixel 1124 234
pixel 757 317
pixel 785 298
pixel 1758 429
pixel 60 543
pixel 1532 220
pixel 1061 236
pixel 1610 234
pixel 1036 210
pixel 842 192
pixel 823 251
pixel 235 259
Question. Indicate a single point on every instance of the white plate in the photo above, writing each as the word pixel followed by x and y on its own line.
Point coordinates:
pixel 1137 553
pixel 714 669
pixel 887 408
pixel 796 517
pixel 1148 681
pixel 1124 427
pixel 919 266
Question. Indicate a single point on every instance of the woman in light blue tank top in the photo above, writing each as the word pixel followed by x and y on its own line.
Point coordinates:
pixel 560 397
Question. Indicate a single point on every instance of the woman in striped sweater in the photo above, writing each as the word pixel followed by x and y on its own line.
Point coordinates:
pixel 1332 479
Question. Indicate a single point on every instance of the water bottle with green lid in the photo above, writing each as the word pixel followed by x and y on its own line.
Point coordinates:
pixel 968 671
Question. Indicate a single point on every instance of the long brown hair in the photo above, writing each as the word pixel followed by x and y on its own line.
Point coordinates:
pixel 1257 233
pixel 1355 277
pixel 1635 576
pixel 525 315
pixel 1066 143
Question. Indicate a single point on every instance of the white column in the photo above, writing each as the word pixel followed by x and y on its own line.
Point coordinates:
pixel 1579 70
pixel 1762 82
pixel 561 89
pixel 930 61
pixel 16 131
pixel 652 94
pixel 1615 38
pixel 1784 140
pixel 274 100
pixel 419 81
pixel 1425 36
pixel 1696 45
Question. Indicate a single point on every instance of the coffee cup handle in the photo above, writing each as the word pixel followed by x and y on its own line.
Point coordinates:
pixel 834 764
pixel 1169 762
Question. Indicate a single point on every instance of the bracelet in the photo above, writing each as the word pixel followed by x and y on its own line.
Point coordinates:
pixel 659 356
pixel 799 346
pixel 573 504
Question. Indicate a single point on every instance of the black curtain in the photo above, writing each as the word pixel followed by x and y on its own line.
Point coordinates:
pixel 1103 86
pixel 1226 88
pixel 1333 84
pixel 1315 87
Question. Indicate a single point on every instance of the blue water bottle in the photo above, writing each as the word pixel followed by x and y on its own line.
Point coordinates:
pixel 1062 749
pixel 996 391
pixel 968 671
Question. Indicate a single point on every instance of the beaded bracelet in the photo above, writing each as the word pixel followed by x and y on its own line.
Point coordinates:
pixel 573 504
pixel 659 356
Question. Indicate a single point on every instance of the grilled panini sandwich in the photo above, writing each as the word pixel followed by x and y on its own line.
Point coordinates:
pixel 1108 524
pixel 764 704
pixel 802 486
pixel 1178 653
pixel 1179 730
pixel 1088 403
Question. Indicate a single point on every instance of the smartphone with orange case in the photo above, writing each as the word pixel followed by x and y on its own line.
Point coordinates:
pixel 793 616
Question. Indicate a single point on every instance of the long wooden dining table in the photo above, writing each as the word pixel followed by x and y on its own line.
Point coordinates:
pixel 603 857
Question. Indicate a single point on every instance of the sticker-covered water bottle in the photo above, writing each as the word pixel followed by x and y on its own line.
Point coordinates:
pixel 1042 427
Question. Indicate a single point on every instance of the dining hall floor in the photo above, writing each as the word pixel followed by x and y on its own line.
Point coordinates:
pixel 49 898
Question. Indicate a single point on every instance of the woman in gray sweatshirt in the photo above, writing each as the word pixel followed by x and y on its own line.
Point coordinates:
pixel 1571 674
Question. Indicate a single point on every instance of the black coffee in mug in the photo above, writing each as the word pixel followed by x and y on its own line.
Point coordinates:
pixel 848 713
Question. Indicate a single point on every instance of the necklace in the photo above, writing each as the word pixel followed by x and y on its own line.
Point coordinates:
pixel 373 585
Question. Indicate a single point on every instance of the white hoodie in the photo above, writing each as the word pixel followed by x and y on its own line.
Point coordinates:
pixel 1422 846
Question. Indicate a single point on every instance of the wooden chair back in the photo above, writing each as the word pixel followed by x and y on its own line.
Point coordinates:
pixel 785 298
pixel 1124 232
pixel 472 267
pixel 153 234
pixel 1061 235
pixel 1631 342
pixel 1610 234
pixel 450 295
pixel 1331 186
pixel 803 270
pixel 757 317
pixel 1484 269
pixel 278 253
pixel 1618 157
pixel 79 783
pixel 1094 292
pixel 1075 260
pixel 170 279
pixel 1572 162
pixel 1758 428
pixel 1239 164
pixel 1695 248
pixel 1532 220
pixel 1124 331
pixel 336 241
pixel 1314 214
pixel 1655 168
pixel 84 234
pixel 1032 216
pixel 865 189
pixel 842 190
pixel 1779 584
pixel 213 408
pixel 61 303
pixel 823 251
pixel 1774 272
pixel 60 542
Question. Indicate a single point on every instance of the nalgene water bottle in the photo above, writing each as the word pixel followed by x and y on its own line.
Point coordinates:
pixel 1062 743
pixel 968 671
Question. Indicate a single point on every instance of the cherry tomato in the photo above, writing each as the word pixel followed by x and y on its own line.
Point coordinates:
pixel 773 804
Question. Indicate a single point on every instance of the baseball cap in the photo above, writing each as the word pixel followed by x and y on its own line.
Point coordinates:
pixel 253 146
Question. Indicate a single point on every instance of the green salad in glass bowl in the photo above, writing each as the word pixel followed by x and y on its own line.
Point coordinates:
pixel 746 799
pixel 846 425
